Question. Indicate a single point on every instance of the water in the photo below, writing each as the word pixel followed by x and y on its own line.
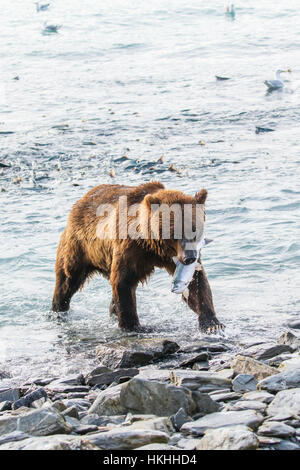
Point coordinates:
pixel 137 79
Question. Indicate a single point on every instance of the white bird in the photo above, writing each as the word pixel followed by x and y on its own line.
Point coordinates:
pixel 276 84
pixel 42 7
pixel 230 10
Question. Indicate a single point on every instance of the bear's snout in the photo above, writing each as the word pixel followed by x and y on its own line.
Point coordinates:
pixel 190 256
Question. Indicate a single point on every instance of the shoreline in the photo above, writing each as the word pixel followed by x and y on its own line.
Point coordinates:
pixel 213 398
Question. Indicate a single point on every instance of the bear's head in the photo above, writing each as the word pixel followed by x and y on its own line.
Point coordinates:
pixel 175 223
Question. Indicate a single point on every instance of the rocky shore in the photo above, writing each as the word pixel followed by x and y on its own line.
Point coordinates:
pixel 216 397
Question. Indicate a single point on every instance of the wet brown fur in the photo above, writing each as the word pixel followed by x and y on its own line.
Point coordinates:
pixel 125 263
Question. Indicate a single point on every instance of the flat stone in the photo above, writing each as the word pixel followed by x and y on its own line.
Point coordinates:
pixel 14 436
pixel 95 420
pixel 221 419
pixel 265 351
pixel 225 396
pixel 198 380
pixel 201 366
pixel 80 403
pixel 157 447
pixel 248 365
pixel 108 402
pixel 244 383
pixel 286 401
pixel 229 438
pixel 282 381
pixel 263 397
pixel 163 424
pixel 145 396
pixel 11 394
pixel 57 442
pixel 107 378
pixel 268 441
pixel 72 411
pixel 276 429
pixel 158 375
pixel 188 444
pixel 126 439
pixel 205 346
pixel 247 405
pixel 226 373
pixel 42 422
pixel 129 352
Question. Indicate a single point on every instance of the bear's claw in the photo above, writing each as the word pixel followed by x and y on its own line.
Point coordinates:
pixel 212 326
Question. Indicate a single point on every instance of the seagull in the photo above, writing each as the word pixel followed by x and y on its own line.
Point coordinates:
pixel 51 28
pixel 42 7
pixel 276 84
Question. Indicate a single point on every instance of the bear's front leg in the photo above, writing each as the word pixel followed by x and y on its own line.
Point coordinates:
pixel 200 301
pixel 124 283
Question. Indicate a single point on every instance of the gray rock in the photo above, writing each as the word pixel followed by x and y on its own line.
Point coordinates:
pixel 80 403
pixel 145 396
pixel 97 371
pixel 130 352
pixel 264 397
pixel 276 429
pixel 202 357
pixel 5 405
pixel 247 405
pixel 58 442
pixel 42 422
pixel 14 436
pixel 222 419
pixel 107 378
pixel 72 411
pixel 108 402
pixel 200 381
pixel 229 438
pixel 265 351
pixel 95 420
pixel 11 394
pixel 282 381
pixel 179 418
pixel 292 363
pixel 248 365
pixel 204 403
pixel 29 399
pixel 126 439
pixel 290 339
pixel 244 383
pixel 286 401
pixel 286 445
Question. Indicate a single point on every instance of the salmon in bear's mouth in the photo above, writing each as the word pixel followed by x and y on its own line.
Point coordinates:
pixel 184 272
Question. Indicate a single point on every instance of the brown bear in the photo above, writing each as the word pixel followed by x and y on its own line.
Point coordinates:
pixel 118 242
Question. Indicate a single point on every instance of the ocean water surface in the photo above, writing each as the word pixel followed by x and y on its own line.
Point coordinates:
pixel 121 84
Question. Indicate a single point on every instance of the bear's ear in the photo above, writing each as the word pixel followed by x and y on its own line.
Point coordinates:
pixel 151 199
pixel 201 196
